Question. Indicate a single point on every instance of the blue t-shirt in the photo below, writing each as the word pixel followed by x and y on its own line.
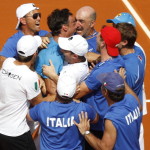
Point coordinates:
pixel 10 47
pixel 51 53
pixel 135 71
pixel 58 131
pixel 92 42
pixel 95 98
pixel 126 118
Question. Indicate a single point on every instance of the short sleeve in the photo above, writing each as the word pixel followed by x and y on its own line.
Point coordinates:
pixel 32 86
pixel 92 82
pixel 9 49
pixel 91 112
pixel 34 112
pixel 110 116
pixel 40 61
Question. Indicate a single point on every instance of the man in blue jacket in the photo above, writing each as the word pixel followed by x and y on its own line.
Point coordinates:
pixel 122 120
pixel 56 118
pixel 108 40
pixel 29 18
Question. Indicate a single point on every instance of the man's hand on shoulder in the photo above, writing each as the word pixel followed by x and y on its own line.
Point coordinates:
pixel 45 42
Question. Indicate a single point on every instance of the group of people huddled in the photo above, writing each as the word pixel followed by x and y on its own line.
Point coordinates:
pixel 71 88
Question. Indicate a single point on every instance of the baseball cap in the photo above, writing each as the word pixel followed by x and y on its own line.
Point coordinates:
pixel 66 86
pixel 28 45
pixel 23 9
pixel 76 44
pixel 111 81
pixel 112 38
pixel 122 18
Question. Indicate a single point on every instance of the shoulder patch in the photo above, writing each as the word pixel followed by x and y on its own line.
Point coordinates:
pixel 36 86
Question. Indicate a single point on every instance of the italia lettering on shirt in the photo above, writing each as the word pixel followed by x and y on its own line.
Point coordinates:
pixel 60 122
pixel 132 116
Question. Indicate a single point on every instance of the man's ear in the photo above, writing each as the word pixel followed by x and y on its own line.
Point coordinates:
pixel 104 90
pixel 103 44
pixel 92 23
pixel 75 56
pixel 23 21
pixel 65 28
pixel 124 42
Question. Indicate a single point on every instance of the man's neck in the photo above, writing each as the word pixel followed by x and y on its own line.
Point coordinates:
pixel 56 38
pixel 104 55
pixel 27 31
pixel 90 33
pixel 126 51
pixel 110 102
pixel 18 63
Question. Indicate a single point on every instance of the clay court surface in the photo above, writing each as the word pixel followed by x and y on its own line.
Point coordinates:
pixel 106 9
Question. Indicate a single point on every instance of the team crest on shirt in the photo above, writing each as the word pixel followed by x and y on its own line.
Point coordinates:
pixel 139 57
pixel 36 86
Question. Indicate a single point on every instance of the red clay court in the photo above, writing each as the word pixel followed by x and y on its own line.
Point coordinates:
pixel 106 9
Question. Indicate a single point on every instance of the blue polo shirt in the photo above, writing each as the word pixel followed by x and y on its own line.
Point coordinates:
pixel 140 53
pixel 95 98
pixel 10 47
pixel 58 131
pixel 126 118
pixel 92 42
pixel 51 53
pixel 135 72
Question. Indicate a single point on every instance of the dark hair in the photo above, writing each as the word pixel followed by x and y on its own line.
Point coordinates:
pixel 93 16
pixel 58 18
pixel 64 99
pixel 20 25
pixel 116 97
pixel 24 59
pixel 128 32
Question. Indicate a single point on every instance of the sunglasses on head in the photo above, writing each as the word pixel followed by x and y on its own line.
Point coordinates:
pixel 34 16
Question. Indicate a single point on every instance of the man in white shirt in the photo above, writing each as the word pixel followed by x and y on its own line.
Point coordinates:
pixel 19 87
pixel 74 50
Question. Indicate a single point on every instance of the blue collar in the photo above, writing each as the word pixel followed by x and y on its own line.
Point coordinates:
pixel 91 36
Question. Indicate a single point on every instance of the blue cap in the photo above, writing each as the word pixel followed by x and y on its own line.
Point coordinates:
pixel 122 18
pixel 111 81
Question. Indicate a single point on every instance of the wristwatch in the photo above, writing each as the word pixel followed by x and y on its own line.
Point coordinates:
pixel 86 133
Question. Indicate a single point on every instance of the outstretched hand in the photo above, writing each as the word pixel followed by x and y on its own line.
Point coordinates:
pixel 84 124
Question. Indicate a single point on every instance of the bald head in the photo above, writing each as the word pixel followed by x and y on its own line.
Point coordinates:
pixel 85 17
pixel 87 12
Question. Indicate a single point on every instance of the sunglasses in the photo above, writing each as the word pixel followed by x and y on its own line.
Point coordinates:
pixel 35 16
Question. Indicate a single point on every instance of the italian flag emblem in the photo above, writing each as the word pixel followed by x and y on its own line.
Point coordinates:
pixel 36 87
